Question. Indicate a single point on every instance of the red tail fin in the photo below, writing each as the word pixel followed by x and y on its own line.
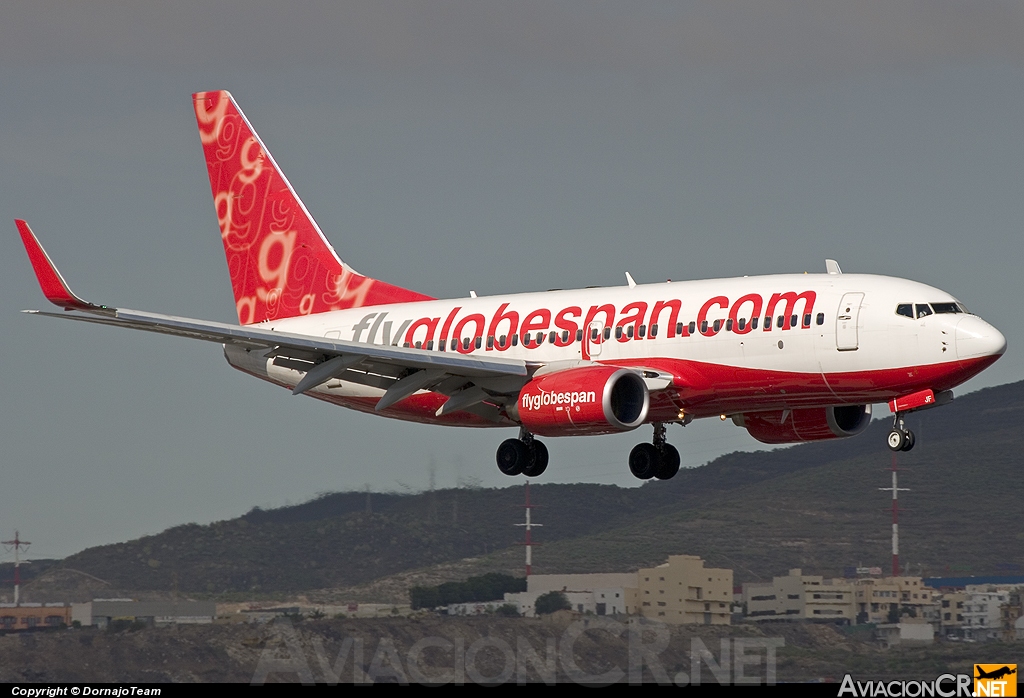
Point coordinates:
pixel 281 264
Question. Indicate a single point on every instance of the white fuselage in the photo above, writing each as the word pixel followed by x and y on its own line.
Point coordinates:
pixel 818 339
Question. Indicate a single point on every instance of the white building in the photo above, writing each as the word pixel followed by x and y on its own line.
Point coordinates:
pixel 982 615
pixel 601 594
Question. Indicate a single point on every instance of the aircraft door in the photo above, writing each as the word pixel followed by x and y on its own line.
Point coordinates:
pixel 846 322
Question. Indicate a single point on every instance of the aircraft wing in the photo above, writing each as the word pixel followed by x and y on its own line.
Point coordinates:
pixel 468 380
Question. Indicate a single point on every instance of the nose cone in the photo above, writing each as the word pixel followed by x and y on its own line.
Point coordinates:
pixel 976 338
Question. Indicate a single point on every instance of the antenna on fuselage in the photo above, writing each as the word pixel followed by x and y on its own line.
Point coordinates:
pixel 629 280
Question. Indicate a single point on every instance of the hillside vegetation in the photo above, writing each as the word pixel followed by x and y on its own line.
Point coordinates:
pixel 815 506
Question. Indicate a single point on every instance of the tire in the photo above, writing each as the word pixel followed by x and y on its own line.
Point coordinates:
pixel 669 463
pixel 896 440
pixel 513 456
pixel 910 441
pixel 540 460
pixel 644 461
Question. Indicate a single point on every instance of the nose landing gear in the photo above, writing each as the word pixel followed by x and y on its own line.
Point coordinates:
pixel 900 438
pixel 658 459
pixel 523 456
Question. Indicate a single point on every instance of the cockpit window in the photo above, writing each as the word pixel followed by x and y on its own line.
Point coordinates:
pixel 923 309
pixel 946 308
pixel 906 310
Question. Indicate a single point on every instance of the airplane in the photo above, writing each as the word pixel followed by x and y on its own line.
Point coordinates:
pixel 994 674
pixel 788 357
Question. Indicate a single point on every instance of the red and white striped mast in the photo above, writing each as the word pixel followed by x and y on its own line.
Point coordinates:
pixel 528 525
pixel 895 489
pixel 18 545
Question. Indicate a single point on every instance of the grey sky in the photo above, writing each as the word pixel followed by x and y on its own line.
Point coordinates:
pixel 451 146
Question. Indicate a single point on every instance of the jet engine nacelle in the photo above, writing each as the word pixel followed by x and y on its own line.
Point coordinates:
pixel 585 400
pixel 807 424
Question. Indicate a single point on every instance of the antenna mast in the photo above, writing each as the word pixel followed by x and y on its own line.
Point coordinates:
pixel 895 489
pixel 528 525
pixel 18 546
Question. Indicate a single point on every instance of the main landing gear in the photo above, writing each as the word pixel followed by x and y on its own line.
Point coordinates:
pixel 659 459
pixel 900 438
pixel 523 456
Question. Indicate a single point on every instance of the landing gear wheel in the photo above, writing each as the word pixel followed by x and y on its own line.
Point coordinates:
pixel 909 441
pixel 540 459
pixel 897 440
pixel 513 457
pixel 644 461
pixel 669 465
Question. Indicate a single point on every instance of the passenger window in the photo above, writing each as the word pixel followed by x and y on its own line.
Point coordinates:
pixel 430 345
pixel 923 310
pixel 717 325
pixel 654 330
pixel 753 323
pixel 607 332
pixel 781 321
pixel 742 324
pixel 642 331
pixel 551 337
pixel 679 328
pixel 821 318
pixel 594 332
pixel 728 325
pixel 767 322
pixel 540 338
pixel 704 327
pixel 618 333
pixel 792 320
pixel 579 335
pixel 479 341
pixel 455 343
pixel 515 340
pixel 565 337
pixel 807 320
pixel 465 344
pixel 906 310
pixel 419 345
pixel 693 327
pixel 490 341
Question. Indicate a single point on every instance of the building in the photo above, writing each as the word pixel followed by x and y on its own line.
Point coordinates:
pixel 102 612
pixel 951 612
pixel 34 616
pixel 892 634
pixel 800 597
pixel 888 599
pixel 601 594
pixel 1013 616
pixel 982 613
pixel 684 592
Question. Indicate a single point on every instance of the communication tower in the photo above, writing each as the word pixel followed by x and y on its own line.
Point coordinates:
pixel 528 525
pixel 17 545
pixel 895 489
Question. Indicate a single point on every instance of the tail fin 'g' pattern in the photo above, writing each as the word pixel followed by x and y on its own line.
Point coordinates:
pixel 281 264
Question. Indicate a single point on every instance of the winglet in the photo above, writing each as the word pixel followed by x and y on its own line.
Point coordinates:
pixel 50 281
